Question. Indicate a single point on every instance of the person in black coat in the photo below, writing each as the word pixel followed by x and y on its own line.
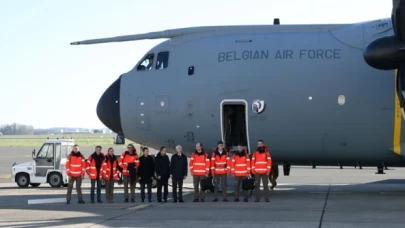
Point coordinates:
pixel 146 173
pixel 162 169
pixel 178 171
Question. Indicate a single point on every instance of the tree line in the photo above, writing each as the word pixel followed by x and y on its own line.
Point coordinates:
pixel 16 129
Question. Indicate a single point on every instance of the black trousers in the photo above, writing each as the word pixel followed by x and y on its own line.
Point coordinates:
pixel 163 182
pixel 177 183
pixel 149 186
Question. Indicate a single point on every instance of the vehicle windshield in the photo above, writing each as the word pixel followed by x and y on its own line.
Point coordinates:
pixel 66 149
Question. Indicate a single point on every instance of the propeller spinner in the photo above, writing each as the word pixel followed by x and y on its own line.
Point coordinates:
pixel 388 53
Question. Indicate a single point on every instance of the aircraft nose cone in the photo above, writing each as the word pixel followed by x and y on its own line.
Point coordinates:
pixel 108 107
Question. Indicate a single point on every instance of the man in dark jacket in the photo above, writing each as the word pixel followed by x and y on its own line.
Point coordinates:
pixel 162 169
pixel 178 171
pixel 146 173
pixel 94 163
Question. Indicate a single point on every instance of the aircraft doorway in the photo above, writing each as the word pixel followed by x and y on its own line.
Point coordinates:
pixel 234 124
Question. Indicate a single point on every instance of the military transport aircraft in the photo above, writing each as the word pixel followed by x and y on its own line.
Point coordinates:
pixel 322 94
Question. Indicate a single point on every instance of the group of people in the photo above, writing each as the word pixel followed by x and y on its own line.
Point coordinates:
pixel 144 169
pixel 134 168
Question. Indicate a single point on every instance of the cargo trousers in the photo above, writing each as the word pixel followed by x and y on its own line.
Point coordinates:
pixel 127 181
pixel 265 179
pixel 238 183
pixel 198 187
pixel 78 181
pixel 109 190
pixel 220 178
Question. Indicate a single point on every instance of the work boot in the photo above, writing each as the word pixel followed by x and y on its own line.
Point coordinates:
pixel 236 200
pixel 246 200
pixel 81 202
pixel 267 200
pixel 165 200
pixel 92 201
pixel 215 200
pixel 132 200
pixel 225 200
pixel 174 201
pixel 99 201
pixel 273 186
pixel 150 201
pixel 202 200
pixel 143 200
pixel 195 200
pixel 67 201
pixel 126 201
pixel 181 201
pixel 257 200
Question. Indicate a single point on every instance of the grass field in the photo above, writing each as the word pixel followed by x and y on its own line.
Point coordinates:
pixel 35 141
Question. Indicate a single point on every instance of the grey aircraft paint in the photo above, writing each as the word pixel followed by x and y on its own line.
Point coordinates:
pixel 324 105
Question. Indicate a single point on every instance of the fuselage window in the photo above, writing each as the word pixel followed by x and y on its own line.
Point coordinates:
pixel 162 60
pixel 146 63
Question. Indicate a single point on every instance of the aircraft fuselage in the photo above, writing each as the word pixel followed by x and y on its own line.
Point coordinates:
pixel 324 104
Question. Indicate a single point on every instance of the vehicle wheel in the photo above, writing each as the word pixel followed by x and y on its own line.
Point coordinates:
pixel 34 185
pixel 55 180
pixel 154 183
pixel 23 180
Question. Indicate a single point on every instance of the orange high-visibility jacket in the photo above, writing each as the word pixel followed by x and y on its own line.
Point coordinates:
pixel 261 162
pixel 127 158
pixel 91 167
pixel 220 163
pixel 199 164
pixel 106 168
pixel 75 165
pixel 240 165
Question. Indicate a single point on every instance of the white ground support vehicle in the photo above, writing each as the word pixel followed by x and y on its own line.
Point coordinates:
pixel 47 166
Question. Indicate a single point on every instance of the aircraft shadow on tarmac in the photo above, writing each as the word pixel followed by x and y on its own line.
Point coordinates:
pixel 75 214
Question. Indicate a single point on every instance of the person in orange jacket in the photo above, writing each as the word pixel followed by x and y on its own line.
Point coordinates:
pixel 199 169
pixel 220 167
pixel 129 162
pixel 94 163
pixel 75 170
pixel 109 171
pixel 261 165
pixel 240 168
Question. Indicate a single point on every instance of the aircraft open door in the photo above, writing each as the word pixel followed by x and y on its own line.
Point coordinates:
pixel 234 124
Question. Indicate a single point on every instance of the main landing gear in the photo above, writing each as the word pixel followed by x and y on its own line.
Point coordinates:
pixel 286 169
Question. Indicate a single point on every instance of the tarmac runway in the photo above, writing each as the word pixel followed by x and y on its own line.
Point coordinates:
pixel 322 197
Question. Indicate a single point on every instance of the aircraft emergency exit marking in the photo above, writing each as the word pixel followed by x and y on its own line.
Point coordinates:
pixel 279 54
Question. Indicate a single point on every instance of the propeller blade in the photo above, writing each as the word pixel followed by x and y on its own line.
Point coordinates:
pixel 398 18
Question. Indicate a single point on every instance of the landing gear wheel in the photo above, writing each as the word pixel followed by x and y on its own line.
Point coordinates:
pixel 35 185
pixel 55 180
pixel 23 180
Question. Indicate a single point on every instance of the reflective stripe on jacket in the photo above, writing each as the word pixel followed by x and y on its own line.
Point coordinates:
pixel 75 165
pixel 106 169
pixel 261 162
pixel 199 164
pixel 240 165
pixel 127 158
pixel 220 163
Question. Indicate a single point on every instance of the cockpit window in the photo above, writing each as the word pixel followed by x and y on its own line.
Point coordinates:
pixel 162 60
pixel 146 63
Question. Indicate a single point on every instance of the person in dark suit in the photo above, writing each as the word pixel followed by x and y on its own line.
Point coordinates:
pixel 162 169
pixel 178 171
pixel 146 173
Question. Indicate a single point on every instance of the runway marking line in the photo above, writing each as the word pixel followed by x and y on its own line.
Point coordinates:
pixel 140 206
pixel 42 201
pixel 5 176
